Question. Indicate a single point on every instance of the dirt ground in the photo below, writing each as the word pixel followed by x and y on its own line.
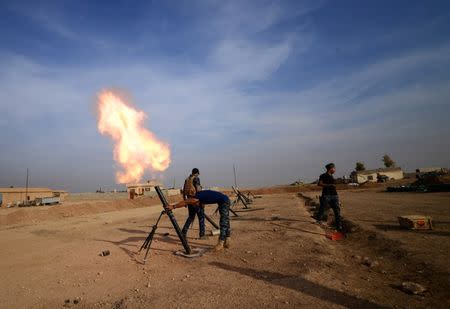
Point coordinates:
pixel 419 256
pixel 279 259
pixel 377 210
pixel 428 246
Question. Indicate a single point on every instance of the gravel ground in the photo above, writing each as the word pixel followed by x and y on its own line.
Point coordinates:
pixel 279 259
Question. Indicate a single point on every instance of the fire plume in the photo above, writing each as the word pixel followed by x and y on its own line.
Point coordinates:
pixel 136 149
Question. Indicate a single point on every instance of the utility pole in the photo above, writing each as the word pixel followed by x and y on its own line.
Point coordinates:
pixel 26 190
pixel 234 170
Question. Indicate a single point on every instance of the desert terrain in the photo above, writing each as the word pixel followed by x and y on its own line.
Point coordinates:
pixel 280 258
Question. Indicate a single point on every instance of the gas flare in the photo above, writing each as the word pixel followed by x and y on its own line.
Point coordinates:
pixel 136 149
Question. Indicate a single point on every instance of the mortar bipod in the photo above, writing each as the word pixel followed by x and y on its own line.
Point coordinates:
pixel 240 198
pixel 167 211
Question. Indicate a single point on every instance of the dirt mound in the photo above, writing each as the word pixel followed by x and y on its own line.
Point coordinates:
pixel 309 187
pixel 73 209
pixel 283 189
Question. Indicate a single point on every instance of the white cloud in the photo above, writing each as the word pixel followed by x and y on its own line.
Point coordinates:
pixel 243 61
pixel 211 122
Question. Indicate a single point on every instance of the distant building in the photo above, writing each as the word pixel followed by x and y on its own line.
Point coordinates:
pixel 140 189
pixel 17 196
pixel 430 170
pixel 371 175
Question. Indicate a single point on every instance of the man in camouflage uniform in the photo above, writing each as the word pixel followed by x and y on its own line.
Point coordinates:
pixel 194 181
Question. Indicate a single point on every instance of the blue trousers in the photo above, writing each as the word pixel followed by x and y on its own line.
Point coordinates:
pixel 224 223
pixel 200 213
pixel 333 202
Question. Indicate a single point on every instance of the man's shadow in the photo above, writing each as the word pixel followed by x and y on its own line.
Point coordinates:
pixel 302 285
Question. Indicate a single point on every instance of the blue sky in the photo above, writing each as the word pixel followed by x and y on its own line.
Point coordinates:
pixel 278 87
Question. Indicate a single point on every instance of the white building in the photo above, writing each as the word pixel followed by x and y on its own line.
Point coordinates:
pixel 393 173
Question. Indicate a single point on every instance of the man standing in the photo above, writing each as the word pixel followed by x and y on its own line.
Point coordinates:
pixel 329 196
pixel 191 187
pixel 214 197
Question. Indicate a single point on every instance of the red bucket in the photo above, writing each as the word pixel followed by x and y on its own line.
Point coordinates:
pixel 335 236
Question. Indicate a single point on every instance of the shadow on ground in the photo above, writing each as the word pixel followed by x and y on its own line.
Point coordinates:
pixel 247 209
pixel 391 227
pixel 298 229
pixel 302 285
pixel 258 219
pixel 134 243
pixel 132 231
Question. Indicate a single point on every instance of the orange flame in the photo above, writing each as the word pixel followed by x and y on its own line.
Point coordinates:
pixel 136 148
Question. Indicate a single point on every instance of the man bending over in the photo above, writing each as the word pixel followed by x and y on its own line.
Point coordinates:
pixel 206 197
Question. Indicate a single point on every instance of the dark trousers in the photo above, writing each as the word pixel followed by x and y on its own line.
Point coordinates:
pixel 200 213
pixel 333 202
pixel 224 223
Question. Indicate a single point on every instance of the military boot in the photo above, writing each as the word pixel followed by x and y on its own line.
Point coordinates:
pixel 227 243
pixel 219 246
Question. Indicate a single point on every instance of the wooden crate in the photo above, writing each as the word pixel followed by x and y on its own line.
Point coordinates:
pixel 416 222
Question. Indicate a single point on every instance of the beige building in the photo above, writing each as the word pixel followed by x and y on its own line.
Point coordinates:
pixel 430 170
pixel 141 189
pixel 371 175
pixel 16 196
